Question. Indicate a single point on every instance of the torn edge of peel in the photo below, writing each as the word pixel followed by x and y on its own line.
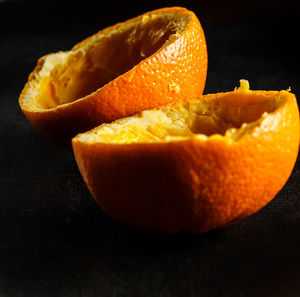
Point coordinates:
pixel 244 86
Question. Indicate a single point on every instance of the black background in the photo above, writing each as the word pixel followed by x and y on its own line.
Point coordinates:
pixel 55 241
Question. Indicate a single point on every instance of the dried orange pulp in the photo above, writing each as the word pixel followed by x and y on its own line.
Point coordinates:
pixel 193 165
pixel 147 61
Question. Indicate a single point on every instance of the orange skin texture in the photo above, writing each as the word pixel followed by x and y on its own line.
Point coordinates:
pixel 193 185
pixel 147 85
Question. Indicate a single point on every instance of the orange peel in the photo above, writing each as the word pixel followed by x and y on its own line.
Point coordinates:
pixel 193 165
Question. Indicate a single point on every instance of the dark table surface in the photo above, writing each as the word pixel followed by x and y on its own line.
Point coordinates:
pixel 55 241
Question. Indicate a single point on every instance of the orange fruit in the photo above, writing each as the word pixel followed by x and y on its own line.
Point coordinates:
pixel 193 165
pixel 144 62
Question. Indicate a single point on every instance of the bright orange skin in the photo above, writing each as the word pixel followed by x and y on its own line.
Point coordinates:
pixel 145 86
pixel 193 185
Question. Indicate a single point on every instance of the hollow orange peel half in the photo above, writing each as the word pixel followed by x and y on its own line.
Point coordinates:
pixel 144 62
pixel 193 165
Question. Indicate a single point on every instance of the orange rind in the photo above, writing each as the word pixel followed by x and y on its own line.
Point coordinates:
pixel 194 165
pixel 151 60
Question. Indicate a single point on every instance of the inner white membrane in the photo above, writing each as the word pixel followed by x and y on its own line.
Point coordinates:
pixel 65 77
pixel 230 115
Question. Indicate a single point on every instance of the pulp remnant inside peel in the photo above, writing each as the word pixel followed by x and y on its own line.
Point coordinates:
pixel 229 114
pixel 67 76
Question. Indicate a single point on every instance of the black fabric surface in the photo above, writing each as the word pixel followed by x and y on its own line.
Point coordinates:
pixel 54 239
